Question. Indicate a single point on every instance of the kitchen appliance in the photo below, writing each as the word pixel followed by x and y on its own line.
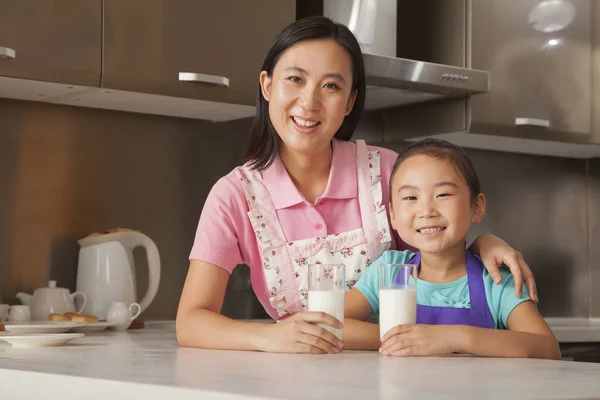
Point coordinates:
pixel 394 81
pixel 106 269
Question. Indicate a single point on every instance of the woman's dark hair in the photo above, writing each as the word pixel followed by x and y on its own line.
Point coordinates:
pixel 446 151
pixel 263 144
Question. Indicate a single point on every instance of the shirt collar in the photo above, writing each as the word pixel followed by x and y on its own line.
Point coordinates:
pixel 280 186
pixel 342 182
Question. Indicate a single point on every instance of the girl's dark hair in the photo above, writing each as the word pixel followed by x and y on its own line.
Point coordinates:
pixel 442 150
pixel 263 145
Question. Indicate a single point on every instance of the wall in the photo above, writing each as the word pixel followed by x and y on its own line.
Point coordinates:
pixel 539 205
pixel 66 172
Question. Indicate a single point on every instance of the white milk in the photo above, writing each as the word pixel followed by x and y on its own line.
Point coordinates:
pixel 396 307
pixel 330 302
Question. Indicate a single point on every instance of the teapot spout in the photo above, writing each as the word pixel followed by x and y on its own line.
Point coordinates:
pixel 24 297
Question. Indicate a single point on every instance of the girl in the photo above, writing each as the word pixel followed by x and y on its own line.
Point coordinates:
pixel 435 196
pixel 306 194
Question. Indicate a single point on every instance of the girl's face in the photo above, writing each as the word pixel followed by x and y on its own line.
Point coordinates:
pixel 309 94
pixel 431 204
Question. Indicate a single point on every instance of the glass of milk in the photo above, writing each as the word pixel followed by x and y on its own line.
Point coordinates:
pixel 397 296
pixel 326 292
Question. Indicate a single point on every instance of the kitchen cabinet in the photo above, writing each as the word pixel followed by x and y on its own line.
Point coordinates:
pixel 544 75
pixel 51 40
pixel 539 54
pixel 584 352
pixel 195 49
pixel 595 17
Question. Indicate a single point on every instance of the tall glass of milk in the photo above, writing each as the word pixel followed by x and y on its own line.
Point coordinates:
pixel 397 296
pixel 326 292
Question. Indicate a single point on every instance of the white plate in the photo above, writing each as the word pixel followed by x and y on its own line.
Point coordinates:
pixel 39 327
pixel 42 340
pixel 91 328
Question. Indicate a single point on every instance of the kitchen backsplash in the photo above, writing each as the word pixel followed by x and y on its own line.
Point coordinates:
pixel 66 172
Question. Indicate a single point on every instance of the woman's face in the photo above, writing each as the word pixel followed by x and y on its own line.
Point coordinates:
pixel 309 94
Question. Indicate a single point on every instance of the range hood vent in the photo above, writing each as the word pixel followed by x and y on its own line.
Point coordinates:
pixel 393 81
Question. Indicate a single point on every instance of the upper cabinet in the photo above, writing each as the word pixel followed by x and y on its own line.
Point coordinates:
pixel 543 68
pixel 539 54
pixel 185 58
pixel 196 49
pixel 51 40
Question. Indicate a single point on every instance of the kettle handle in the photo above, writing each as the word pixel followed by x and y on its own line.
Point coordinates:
pixel 139 239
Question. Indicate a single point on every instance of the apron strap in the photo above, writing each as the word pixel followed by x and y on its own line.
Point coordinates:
pixel 365 198
pixel 476 285
pixel 275 246
pixel 261 206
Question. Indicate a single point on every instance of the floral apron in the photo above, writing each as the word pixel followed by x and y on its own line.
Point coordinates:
pixel 285 263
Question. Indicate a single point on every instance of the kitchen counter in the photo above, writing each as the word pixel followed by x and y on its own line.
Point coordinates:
pixel 566 329
pixel 148 364
pixel 575 330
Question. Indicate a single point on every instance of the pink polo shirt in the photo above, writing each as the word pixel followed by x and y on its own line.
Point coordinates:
pixel 225 236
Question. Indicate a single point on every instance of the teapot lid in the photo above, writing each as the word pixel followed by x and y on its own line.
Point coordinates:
pixel 50 288
pixel 52 285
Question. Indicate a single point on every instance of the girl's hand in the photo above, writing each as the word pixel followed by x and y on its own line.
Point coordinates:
pixel 300 334
pixel 421 340
pixel 495 252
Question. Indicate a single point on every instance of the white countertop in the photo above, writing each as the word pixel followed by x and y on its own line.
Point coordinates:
pixel 148 364
pixel 566 329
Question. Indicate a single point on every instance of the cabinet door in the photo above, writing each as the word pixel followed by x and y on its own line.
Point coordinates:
pixel 539 55
pixel 582 352
pixel 51 40
pixel 148 43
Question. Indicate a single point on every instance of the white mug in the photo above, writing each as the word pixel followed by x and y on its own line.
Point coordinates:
pixel 120 316
pixel 4 312
pixel 19 314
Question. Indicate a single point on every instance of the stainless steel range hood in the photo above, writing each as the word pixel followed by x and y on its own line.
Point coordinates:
pixel 393 81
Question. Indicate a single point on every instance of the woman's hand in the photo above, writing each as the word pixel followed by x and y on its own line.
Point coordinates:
pixel 300 334
pixel 421 340
pixel 495 252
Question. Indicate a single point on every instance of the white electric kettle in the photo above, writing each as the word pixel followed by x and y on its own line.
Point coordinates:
pixel 106 273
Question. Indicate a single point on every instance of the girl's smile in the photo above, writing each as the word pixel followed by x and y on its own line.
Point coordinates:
pixel 432 207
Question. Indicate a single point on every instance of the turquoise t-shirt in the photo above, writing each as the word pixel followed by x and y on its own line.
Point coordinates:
pixel 501 298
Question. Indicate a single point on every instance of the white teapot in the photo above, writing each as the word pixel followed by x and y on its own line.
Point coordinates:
pixel 119 316
pixel 51 300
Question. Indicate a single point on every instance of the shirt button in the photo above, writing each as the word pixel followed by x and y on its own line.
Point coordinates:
pixel 322 202
pixel 319 226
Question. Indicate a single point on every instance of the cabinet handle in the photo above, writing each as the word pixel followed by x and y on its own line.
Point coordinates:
pixel 210 79
pixel 7 52
pixel 542 123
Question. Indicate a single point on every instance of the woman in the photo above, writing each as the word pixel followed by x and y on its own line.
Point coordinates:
pixel 305 195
